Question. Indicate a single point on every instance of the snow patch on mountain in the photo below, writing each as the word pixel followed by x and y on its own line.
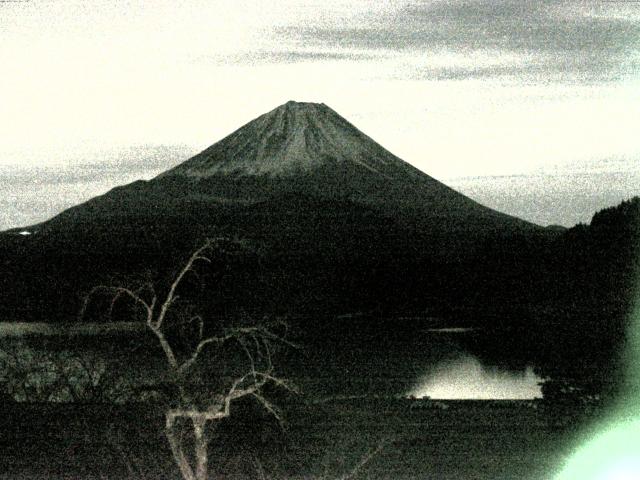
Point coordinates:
pixel 291 139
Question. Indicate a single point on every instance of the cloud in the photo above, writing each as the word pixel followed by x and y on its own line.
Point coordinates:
pixel 29 195
pixel 566 40
pixel 114 165
pixel 267 57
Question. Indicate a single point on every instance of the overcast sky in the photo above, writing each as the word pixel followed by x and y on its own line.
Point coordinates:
pixel 531 107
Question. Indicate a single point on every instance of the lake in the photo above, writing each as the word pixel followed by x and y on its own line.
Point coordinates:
pixel 21 329
pixel 437 362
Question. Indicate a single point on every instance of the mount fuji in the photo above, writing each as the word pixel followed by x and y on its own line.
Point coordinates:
pixel 341 224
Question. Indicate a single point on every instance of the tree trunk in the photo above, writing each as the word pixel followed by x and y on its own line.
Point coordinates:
pixel 201 448
pixel 176 449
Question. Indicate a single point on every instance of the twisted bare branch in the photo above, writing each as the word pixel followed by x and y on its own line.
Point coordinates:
pixel 256 341
pixel 365 460
pixel 171 297
pixel 117 293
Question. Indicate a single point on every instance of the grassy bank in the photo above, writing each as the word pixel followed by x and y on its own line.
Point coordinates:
pixel 388 438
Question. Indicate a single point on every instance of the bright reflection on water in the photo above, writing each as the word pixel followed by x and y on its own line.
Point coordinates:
pixel 466 378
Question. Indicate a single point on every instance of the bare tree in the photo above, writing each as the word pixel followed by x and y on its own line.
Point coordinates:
pixel 196 406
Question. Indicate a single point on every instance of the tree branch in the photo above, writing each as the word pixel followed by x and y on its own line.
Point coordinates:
pixel 171 296
pixel 117 293
pixel 364 461
pixel 166 347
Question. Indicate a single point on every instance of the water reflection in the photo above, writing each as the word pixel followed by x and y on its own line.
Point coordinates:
pixel 466 378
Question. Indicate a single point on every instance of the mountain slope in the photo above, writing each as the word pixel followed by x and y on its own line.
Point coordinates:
pixel 309 148
pixel 303 149
pixel 341 225
pixel 292 139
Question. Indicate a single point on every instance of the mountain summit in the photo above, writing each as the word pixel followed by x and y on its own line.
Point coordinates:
pixel 293 138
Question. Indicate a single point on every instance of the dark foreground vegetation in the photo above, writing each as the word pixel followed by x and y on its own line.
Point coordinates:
pixel 560 303
pixel 353 438
pixel 565 296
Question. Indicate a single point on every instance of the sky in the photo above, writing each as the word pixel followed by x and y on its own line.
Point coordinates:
pixel 531 108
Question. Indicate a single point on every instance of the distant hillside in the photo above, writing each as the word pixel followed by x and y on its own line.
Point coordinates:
pixel 575 317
